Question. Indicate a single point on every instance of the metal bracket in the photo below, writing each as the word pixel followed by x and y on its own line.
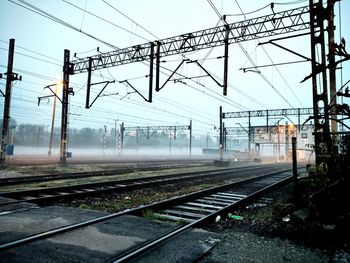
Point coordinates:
pixel 131 86
pixel 207 72
pixel 14 76
pixel 99 94
pixel 179 80
pixel 49 96
pixel 172 74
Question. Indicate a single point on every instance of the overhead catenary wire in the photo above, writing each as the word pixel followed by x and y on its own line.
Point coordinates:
pixel 143 106
pixel 266 6
pixel 47 78
pixel 269 57
pixel 82 20
pixel 99 116
pixel 41 12
pixel 251 60
pixel 28 56
pixel 105 20
pixel 35 75
pixel 132 20
pixel 236 104
pixel 209 89
pixel 47 15
pixel 34 52
pixel 240 106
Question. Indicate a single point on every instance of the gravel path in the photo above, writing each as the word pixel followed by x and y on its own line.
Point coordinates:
pixel 247 247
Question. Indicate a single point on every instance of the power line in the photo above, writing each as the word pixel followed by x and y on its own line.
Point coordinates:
pixel 291 2
pixel 133 102
pixel 114 8
pixel 41 12
pixel 35 52
pixel 251 12
pixel 37 75
pixel 290 89
pixel 62 22
pixel 236 104
pixel 105 20
pixel 266 6
pixel 32 57
pixel 251 60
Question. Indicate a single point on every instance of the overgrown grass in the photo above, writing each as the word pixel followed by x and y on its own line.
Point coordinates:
pixel 144 197
pixel 274 211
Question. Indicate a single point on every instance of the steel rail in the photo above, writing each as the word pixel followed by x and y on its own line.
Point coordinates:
pixel 76 191
pixel 151 244
pixel 52 177
pixel 134 211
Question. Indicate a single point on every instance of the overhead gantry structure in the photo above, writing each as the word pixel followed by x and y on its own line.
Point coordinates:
pixel 285 22
pixel 307 20
pixel 268 114
pixel 149 131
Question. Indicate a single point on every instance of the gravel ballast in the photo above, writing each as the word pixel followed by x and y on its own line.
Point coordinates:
pixel 248 247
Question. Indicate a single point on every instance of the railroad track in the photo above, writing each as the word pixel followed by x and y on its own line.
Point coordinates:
pixel 194 209
pixel 52 194
pixel 119 171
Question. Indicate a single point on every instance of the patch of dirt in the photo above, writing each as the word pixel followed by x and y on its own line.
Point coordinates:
pixel 284 220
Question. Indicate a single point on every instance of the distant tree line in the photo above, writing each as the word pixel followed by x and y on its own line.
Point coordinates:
pixel 39 136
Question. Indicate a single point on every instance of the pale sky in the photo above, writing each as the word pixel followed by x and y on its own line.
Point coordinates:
pixel 40 43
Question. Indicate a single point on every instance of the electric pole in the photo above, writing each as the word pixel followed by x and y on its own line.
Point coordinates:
pixel 220 137
pixel 191 138
pixel 332 67
pixel 116 141
pixel 53 120
pixel 10 76
pixel 66 91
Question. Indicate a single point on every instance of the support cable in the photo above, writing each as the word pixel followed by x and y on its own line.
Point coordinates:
pixel 251 60
pixel 290 89
pixel 41 12
pixel 105 20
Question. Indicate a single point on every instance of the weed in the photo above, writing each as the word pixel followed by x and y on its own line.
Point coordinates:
pixel 149 214
pixel 85 206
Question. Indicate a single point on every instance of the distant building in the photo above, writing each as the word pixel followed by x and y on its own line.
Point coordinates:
pixel 280 139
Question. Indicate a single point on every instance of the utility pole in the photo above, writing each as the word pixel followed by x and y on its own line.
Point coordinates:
pixel 121 138
pixel 278 142
pixel 332 67
pixel 286 132
pixel 207 140
pixel 227 32
pixel 249 137
pixel 116 141
pixel 10 76
pixel 323 144
pixel 295 168
pixel 104 139
pixel 170 142
pixel 224 136
pixel 65 96
pixel 221 139
pixel 190 138
pixel 53 119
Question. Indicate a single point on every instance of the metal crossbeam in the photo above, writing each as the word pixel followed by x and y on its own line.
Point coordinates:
pixel 157 128
pixel 272 113
pixel 284 22
pixel 236 131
